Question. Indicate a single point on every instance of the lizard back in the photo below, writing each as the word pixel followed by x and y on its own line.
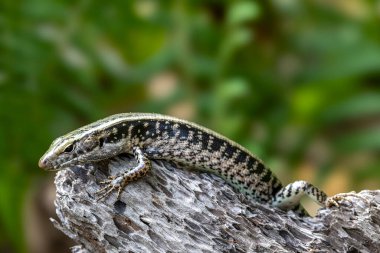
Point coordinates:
pixel 169 138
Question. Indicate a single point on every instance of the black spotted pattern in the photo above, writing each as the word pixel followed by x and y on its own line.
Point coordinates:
pixel 201 149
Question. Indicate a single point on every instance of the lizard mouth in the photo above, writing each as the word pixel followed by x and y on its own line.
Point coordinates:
pixel 55 169
pixel 61 166
pixel 68 163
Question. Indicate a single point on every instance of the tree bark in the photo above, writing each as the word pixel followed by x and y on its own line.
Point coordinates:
pixel 178 210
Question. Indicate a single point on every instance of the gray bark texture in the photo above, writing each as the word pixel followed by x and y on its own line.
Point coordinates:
pixel 179 210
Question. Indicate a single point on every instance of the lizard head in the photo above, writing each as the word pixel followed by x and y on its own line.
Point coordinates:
pixel 84 145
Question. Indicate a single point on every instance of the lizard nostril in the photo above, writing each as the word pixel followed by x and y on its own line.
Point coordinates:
pixel 42 163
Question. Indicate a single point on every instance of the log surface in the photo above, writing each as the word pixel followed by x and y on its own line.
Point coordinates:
pixel 179 210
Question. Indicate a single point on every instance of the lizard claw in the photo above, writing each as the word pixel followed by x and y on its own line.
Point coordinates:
pixel 108 180
pixel 111 184
pixel 104 192
pixel 333 201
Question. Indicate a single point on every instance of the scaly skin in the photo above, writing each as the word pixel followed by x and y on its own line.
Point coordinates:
pixel 155 136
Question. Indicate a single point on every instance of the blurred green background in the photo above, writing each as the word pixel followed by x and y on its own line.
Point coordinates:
pixel 296 82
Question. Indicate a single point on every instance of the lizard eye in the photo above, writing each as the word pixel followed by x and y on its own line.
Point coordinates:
pixel 69 148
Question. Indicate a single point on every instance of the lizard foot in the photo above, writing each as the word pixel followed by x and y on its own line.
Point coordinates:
pixel 334 200
pixel 112 183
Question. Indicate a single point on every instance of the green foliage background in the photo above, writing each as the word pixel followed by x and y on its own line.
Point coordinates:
pixel 297 82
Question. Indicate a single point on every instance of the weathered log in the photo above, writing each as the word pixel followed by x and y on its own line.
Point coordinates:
pixel 178 210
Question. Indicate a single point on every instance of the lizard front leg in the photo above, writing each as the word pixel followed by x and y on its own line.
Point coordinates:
pixel 120 181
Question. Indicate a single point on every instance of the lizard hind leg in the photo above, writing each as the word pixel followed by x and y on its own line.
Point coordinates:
pixel 289 197
pixel 120 181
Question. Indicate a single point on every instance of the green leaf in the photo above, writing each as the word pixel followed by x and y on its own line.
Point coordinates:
pixel 357 107
pixel 232 89
pixel 241 12
pixel 364 140
pixel 13 185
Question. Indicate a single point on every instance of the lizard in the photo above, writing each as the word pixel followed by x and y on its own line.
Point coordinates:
pixel 154 136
